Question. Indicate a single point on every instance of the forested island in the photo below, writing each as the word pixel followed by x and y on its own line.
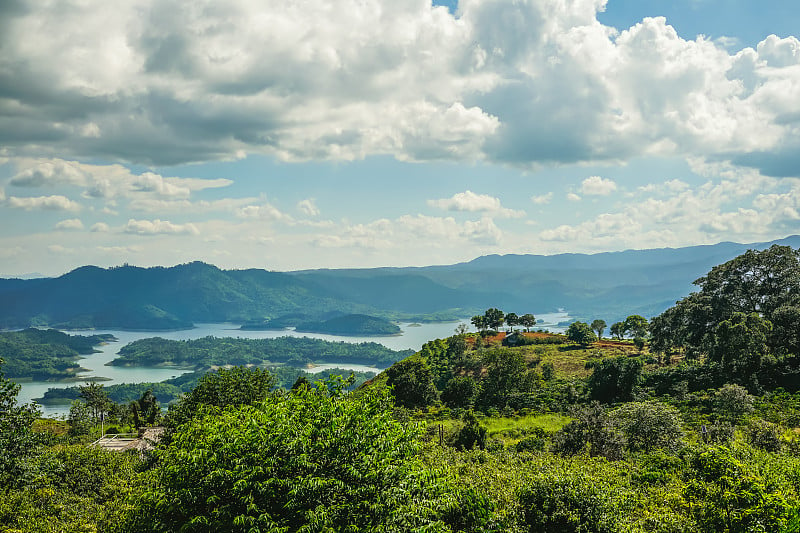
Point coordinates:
pixel 45 355
pixel 686 422
pixel 355 325
pixel 213 351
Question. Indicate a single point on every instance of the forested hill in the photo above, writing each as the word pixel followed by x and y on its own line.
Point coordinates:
pixel 610 285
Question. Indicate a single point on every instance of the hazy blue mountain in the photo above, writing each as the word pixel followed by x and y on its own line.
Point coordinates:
pixel 607 285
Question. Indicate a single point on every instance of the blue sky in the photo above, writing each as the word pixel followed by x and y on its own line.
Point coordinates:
pixel 345 133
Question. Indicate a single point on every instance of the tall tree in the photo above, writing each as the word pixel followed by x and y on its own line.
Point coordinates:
pixel 512 319
pixel 618 330
pixel 527 320
pixel 598 325
pixel 581 333
pixel 17 439
pixel 96 399
pixel 479 321
pixel 636 326
pixel 494 318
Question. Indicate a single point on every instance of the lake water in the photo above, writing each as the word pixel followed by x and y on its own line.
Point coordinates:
pixel 412 337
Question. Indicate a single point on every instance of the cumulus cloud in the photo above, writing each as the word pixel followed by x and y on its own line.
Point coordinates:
pixel 50 203
pixel 265 211
pixel 70 224
pixel 308 207
pixel 597 186
pixel 414 230
pixel 473 202
pixel 159 227
pixel 542 199
pixel 100 227
pixel 105 181
pixel 572 197
pixel 525 83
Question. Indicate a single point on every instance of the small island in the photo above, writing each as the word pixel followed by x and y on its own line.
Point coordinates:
pixel 46 354
pixel 355 325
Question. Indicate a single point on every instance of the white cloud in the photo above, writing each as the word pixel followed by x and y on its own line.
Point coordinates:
pixel 308 207
pixel 572 197
pixel 265 211
pixel 414 231
pixel 50 203
pixel 472 202
pixel 106 181
pixel 542 199
pixel 597 186
pixel 70 224
pixel 159 227
pixel 100 227
pixel 343 79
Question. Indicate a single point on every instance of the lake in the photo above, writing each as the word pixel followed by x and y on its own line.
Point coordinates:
pixel 412 337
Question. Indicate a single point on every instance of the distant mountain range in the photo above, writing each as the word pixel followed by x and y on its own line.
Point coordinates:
pixel 606 285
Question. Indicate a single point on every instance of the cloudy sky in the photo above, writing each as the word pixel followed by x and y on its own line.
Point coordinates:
pixel 334 133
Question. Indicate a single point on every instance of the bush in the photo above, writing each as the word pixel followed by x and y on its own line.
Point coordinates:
pixel 555 503
pixel 764 435
pixel 649 425
pixel 304 460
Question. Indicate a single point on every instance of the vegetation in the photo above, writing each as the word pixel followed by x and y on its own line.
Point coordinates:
pixel 686 432
pixel 45 354
pixel 212 351
pixel 356 325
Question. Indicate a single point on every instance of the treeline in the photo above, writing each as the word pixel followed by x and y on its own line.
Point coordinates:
pixel 213 351
pixel 45 354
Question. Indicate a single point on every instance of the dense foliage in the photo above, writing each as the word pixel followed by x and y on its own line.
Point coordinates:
pixel 294 351
pixel 351 325
pixel 45 354
pixel 308 460
pixel 472 433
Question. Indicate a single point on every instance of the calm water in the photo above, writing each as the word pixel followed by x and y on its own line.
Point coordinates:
pixel 412 337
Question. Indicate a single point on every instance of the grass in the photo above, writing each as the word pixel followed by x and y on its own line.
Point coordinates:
pixel 508 429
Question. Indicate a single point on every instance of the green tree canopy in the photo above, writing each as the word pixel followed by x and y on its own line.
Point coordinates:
pixel 581 333
pixel 527 320
pixel 306 460
pixel 221 388
pixel 412 383
pixel 494 318
pixel 598 325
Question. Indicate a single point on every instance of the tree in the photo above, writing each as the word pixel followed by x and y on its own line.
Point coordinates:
pixel 618 330
pixel 96 400
pixel 146 410
pixel 505 375
pixel 412 383
pixel 512 319
pixel 590 431
pixel 479 321
pixel 614 378
pixel 581 333
pixel 79 419
pixel 307 460
pixel 226 386
pixel 459 392
pixel 760 282
pixel 527 320
pixel 494 318
pixel 739 344
pixel 598 325
pixel 732 403
pixel 17 439
pixel 649 426
pixel 472 434
pixel 636 326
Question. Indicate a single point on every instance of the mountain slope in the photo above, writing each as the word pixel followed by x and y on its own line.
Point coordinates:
pixel 607 285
